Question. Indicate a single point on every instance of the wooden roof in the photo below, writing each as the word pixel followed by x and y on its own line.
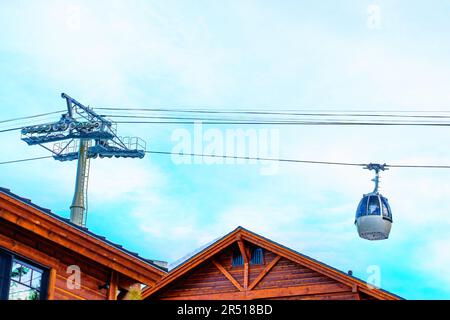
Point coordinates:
pixel 241 234
pixel 22 212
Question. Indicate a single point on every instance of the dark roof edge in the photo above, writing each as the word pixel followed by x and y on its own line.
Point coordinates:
pixel 204 249
pixel 280 245
pixel 317 261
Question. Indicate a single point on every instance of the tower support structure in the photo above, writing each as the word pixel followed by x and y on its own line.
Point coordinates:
pixel 82 134
pixel 79 203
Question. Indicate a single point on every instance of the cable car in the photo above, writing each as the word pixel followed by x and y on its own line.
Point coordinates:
pixel 374 216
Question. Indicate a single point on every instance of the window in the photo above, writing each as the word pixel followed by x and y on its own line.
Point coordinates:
pixel 238 260
pixel 374 206
pixel 362 208
pixel 256 257
pixel 387 213
pixel 20 279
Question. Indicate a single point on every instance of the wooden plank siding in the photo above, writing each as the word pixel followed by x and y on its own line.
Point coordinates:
pixel 75 239
pixel 207 281
pixel 283 274
pixel 93 274
pixel 108 271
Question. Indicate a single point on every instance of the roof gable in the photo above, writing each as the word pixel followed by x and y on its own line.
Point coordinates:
pixel 44 223
pixel 282 257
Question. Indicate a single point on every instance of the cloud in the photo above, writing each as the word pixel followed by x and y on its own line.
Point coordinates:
pixel 237 55
pixel 124 179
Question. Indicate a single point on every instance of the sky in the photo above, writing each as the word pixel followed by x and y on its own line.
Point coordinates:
pixel 261 55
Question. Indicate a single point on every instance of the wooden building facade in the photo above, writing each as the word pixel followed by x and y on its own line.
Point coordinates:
pixel 245 266
pixel 43 256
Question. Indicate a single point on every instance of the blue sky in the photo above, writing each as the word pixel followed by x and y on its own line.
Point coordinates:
pixel 241 55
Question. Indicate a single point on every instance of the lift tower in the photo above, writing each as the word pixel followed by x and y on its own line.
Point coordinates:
pixel 82 134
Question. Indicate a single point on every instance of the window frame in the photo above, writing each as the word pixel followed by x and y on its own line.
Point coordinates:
pixel 385 203
pixel 361 211
pixel 237 255
pixel 7 259
pixel 376 202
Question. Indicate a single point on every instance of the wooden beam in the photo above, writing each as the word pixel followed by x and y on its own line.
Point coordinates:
pixel 245 276
pixel 91 248
pixel 243 251
pixel 112 291
pixel 61 281
pixel 329 296
pixel 77 297
pixel 245 256
pixel 314 265
pixel 355 292
pixel 227 275
pixel 191 264
pixel 265 271
pixel 28 252
pixel 51 284
pixel 304 290
pixel 64 231
pixel 247 236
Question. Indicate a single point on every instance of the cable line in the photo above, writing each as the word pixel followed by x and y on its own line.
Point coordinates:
pixel 360 113
pixel 354 164
pixel 234 119
pixel 312 123
pixel 173 119
pixel 24 160
pixel 31 117
pixel 257 158
pixel 10 129
pixel 300 161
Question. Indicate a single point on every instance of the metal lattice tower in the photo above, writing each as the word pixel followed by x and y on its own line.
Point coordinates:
pixel 82 134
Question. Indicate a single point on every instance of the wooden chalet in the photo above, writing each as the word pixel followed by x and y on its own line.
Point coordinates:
pixel 44 256
pixel 243 266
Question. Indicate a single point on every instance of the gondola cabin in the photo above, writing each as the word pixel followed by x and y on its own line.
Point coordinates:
pixel 44 256
pixel 374 217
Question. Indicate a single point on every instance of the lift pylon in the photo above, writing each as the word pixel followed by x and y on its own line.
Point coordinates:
pixel 82 134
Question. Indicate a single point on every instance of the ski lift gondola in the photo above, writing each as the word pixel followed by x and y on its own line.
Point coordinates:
pixel 373 215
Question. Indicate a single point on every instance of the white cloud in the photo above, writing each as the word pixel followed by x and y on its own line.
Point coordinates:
pixel 124 179
pixel 164 54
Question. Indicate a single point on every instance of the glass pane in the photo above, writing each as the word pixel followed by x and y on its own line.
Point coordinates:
pixel 36 279
pixel 25 275
pixel 16 271
pixel 361 211
pixel 387 213
pixel 374 206
pixel 238 260
pixel 257 256
pixel 18 291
